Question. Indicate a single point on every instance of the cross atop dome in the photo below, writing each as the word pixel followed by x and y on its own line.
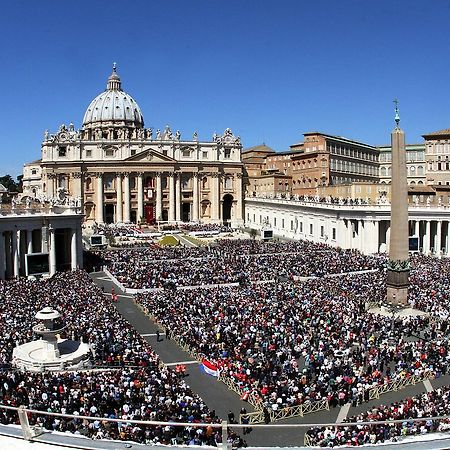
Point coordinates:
pixel 114 83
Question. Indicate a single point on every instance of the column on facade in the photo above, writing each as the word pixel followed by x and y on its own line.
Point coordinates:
pixel 178 199
pixel 2 256
pixel 119 198
pixel 195 197
pixel 426 238
pixel 171 215
pixel 438 238
pixel 126 197
pixel 140 196
pixel 417 228
pixel 52 250
pixel 73 249
pixel 159 195
pixel 50 185
pixel 238 213
pixel 99 198
pixel 215 197
pixel 77 184
pixel 29 241
pixel 15 252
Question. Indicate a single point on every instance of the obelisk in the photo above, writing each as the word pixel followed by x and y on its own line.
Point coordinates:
pixel 398 266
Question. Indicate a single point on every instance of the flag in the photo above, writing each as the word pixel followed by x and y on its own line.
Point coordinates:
pixel 210 368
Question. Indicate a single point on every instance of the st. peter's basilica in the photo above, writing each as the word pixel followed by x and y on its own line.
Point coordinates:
pixel 121 171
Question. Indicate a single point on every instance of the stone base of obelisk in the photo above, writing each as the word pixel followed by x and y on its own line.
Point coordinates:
pixel 397 287
pixel 397 296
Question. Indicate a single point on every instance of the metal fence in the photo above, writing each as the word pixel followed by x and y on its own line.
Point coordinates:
pixel 30 432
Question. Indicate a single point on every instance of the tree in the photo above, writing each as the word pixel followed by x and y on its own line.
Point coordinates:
pixel 9 183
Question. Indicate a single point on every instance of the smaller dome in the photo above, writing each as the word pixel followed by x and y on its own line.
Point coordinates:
pixel 113 105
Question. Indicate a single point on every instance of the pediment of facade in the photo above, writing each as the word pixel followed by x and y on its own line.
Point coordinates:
pixel 150 155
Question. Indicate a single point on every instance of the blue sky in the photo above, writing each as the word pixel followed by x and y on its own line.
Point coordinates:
pixel 269 70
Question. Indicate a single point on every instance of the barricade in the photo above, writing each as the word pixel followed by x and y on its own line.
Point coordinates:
pixel 395 385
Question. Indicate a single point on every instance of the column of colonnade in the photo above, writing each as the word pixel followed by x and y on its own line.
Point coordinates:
pixel 2 256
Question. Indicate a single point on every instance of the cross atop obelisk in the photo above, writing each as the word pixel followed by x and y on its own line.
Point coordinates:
pixel 397 115
pixel 398 266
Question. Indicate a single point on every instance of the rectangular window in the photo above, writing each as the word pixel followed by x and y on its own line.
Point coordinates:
pixel 274 221
pixel 133 152
pixel 227 153
pixel 322 231
pixel 282 223
pixel 62 151
pixel 334 234
pixel 205 155
pixel 301 227
pixel 311 229
pixel 292 225
pixel 88 153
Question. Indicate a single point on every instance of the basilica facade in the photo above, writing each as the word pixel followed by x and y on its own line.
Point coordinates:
pixel 120 171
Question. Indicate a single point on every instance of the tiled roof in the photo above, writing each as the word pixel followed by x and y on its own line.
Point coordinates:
pixel 260 148
pixel 445 132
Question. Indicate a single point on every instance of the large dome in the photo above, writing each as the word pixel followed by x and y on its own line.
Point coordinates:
pixel 113 105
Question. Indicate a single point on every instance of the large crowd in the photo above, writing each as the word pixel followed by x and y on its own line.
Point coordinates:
pixel 290 341
pixel 297 342
pixel 232 261
pixel 430 404
pixel 135 386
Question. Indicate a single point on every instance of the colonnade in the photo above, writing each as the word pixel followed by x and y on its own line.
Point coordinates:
pixel 362 227
pixel 368 235
pixel 433 236
pixel 16 242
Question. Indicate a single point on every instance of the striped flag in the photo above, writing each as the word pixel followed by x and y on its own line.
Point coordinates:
pixel 210 368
